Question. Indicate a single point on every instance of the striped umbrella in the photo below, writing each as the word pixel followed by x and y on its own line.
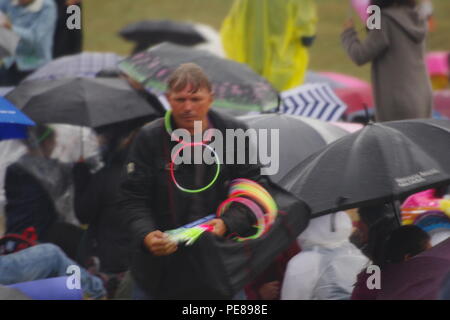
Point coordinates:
pixel 313 100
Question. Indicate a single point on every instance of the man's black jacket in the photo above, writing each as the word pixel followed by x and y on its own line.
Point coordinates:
pixel 151 201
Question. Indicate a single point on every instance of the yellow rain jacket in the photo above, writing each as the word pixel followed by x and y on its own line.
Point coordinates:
pixel 266 35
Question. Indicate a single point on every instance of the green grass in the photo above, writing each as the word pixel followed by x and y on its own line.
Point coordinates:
pixel 103 19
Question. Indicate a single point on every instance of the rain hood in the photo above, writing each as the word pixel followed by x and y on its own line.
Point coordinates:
pixel 409 20
pixel 329 231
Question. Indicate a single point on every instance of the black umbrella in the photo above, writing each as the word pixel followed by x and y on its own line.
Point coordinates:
pixel 382 162
pixel 91 102
pixel 299 137
pixel 151 32
pixel 237 88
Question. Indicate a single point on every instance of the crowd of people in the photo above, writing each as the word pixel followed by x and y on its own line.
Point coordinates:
pixel 44 35
pixel 111 221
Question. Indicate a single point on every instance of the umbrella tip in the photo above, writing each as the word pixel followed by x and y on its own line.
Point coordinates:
pixel 366 112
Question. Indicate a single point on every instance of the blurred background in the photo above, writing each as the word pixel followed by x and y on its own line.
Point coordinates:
pixel 104 18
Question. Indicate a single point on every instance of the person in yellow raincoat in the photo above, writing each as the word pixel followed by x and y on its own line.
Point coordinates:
pixel 272 37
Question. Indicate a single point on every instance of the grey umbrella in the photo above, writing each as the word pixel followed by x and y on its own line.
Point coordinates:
pixel 85 64
pixel 91 102
pixel 383 162
pixel 299 137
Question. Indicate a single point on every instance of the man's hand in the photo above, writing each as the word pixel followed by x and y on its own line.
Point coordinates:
pixel 219 227
pixel 349 24
pixel 270 290
pixel 157 242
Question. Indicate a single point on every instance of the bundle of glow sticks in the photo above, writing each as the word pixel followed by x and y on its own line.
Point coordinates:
pixel 255 198
pixel 244 191
pixel 189 233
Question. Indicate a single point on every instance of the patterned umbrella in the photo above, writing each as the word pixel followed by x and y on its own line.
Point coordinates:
pixel 236 87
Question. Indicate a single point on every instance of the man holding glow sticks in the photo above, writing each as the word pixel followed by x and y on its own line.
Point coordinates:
pixel 158 195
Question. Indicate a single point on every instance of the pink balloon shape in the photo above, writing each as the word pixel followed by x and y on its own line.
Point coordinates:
pixel 360 7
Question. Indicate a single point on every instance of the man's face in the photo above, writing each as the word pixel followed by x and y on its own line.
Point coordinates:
pixel 188 106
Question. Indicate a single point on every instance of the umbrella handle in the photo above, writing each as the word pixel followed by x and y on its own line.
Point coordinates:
pixel 397 212
pixel 278 108
pixel 366 113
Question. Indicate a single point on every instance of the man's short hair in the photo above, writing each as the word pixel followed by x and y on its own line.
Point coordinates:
pixel 188 74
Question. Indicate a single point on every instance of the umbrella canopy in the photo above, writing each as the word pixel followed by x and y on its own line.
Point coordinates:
pixel 13 123
pixel 86 64
pixel 91 102
pixel 299 137
pixel 419 278
pixel 354 92
pixel 379 163
pixel 313 100
pixel 150 32
pixel 8 42
pixel 236 87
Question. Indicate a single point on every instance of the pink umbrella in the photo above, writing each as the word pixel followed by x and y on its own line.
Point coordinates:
pixel 356 93
pixel 356 98
pixel 438 63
